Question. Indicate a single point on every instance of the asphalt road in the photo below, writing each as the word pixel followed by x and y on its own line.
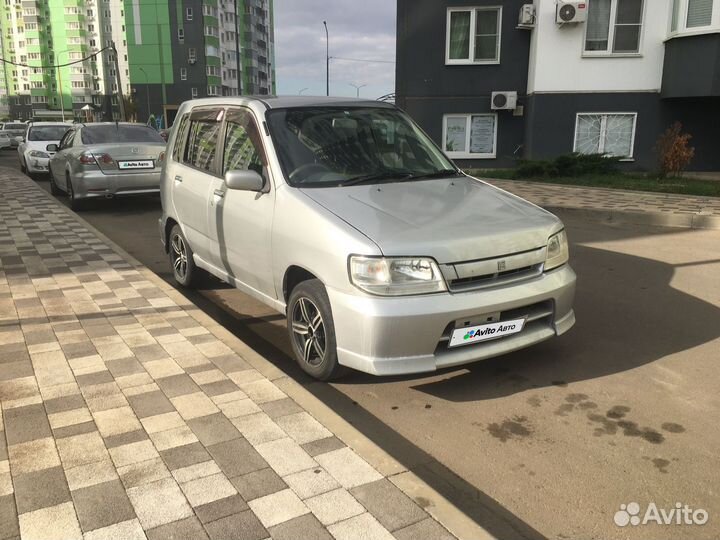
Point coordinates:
pixel 550 441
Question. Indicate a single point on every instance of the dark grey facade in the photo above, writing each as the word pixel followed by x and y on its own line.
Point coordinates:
pixel 543 127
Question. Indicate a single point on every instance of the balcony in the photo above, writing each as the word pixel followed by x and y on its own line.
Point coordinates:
pixel 692 66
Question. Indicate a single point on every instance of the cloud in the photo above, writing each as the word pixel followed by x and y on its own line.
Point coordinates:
pixel 359 30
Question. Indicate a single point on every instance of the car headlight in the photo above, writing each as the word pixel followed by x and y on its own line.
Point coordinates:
pixel 396 276
pixel 557 251
pixel 39 154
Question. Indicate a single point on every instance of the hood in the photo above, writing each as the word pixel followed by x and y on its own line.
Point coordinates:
pixel 39 145
pixel 452 219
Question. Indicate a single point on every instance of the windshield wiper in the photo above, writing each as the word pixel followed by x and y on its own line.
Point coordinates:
pixel 436 174
pixel 370 178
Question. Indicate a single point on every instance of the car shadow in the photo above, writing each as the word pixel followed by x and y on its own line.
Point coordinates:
pixel 626 309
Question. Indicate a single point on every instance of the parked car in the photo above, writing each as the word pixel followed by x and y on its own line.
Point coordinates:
pixel 347 218
pixel 15 132
pixel 106 160
pixel 5 140
pixel 33 152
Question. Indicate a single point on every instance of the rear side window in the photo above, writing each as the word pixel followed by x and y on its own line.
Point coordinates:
pixel 203 136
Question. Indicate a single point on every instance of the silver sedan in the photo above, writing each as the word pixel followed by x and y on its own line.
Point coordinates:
pixel 106 160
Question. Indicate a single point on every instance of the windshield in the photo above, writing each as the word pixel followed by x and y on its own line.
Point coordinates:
pixel 111 133
pixel 335 146
pixel 47 133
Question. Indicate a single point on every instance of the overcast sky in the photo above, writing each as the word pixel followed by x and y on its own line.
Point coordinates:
pixel 359 29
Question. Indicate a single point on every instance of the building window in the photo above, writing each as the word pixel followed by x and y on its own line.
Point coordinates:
pixel 691 14
pixel 183 74
pixel 612 134
pixel 181 35
pixel 470 136
pixel 189 14
pixel 614 26
pixel 194 92
pixel 473 36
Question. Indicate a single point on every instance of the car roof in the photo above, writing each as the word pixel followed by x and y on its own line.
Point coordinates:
pixel 289 102
pixel 41 124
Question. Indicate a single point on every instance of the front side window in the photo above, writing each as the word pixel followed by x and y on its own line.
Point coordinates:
pixel 472 136
pixel 243 149
pixel 473 36
pixel 202 143
pixel 337 146
pixel 614 26
pixel 610 134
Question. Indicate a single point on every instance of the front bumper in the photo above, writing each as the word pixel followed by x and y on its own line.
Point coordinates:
pixel 393 336
pixel 94 183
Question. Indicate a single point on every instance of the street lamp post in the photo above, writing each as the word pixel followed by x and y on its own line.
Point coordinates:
pixel 327 58
pixel 357 88
pixel 147 90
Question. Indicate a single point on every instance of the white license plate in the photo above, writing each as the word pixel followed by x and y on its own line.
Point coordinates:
pixel 484 332
pixel 138 164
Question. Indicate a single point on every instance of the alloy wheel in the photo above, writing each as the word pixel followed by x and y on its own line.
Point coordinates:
pixel 309 331
pixel 179 256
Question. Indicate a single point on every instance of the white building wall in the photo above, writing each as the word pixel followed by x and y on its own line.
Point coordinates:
pixel 558 62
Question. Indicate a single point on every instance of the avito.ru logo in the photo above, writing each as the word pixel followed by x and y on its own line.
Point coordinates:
pixel 682 514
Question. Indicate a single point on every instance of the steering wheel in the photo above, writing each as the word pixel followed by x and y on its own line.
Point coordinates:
pixel 315 167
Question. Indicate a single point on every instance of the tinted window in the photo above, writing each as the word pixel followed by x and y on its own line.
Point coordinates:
pixel 118 133
pixel 16 127
pixel 67 139
pixel 243 149
pixel 46 133
pixel 180 138
pixel 202 144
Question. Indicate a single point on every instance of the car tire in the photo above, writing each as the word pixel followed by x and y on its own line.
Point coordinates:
pixel 75 204
pixel 23 168
pixel 312 332
pixel 54 189
pixel 180 254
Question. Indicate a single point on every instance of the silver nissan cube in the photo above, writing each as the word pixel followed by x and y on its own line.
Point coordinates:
pixel 343 215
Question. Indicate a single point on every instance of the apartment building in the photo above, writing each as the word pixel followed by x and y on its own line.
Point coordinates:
pixel 497 80
pixel 167 53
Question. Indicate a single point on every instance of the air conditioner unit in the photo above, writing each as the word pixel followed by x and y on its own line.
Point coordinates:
pixel 526 19
pixel 503 101
pixel 571 12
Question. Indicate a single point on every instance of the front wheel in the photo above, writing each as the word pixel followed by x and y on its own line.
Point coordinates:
pixel 181 258
pixel 312 331
pixel 54 189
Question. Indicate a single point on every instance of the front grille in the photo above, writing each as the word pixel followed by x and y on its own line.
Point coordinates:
pixel 538 314
pixel 498 278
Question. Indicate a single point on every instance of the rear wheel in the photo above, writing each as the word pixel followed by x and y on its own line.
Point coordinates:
pixel 75 204
pixel 181 258
pixel 312 331
pixel 54 189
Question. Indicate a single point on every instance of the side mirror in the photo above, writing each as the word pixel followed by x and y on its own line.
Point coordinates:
pixel 244 180
pixel 52 148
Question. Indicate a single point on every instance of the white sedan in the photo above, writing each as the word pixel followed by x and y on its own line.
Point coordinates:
pixel 33 151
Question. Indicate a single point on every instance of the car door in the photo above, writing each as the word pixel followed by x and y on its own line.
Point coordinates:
pixel 192 174
pixel 59 160
pixel 240 222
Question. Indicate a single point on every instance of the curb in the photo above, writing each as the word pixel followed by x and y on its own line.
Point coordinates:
pixel 435 504
pixel 685 220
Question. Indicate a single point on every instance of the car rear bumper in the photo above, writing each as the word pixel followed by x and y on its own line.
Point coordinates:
pixel 91 184
pixel 392 336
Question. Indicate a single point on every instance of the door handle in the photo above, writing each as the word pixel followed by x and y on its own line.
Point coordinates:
pixel 178 178
pixel 219 193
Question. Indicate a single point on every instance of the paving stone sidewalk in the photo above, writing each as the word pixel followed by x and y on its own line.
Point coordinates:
pixel 660 208
pixel 123 417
